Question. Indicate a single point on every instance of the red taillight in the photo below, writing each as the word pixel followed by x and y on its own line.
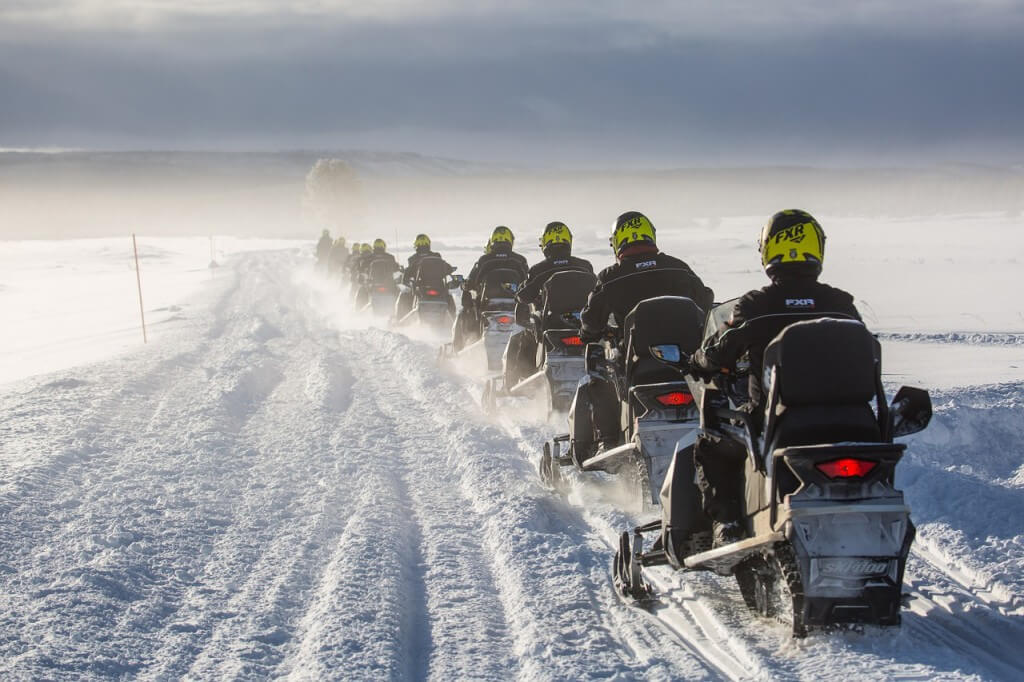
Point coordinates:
pixel 431 292
pixel 675 399
pixel 382 289
pixel 572 341
pixel 504 319
pixel 846 467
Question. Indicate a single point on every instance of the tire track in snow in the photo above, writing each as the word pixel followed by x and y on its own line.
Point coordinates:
pixel 550 569
pixel 679 612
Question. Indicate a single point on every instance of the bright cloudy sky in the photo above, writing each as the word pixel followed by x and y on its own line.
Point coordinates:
pixel 668 81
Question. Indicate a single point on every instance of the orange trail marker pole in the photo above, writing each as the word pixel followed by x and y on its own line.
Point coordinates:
pixel 138 280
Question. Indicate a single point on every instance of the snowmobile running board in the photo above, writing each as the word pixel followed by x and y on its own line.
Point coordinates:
pixel 527 385
pixel 601 461
pixel 723 559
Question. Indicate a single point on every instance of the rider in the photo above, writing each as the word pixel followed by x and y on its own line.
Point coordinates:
pixel 497 254
pixel 792 246
pixel 373 264
pixel 356 269
pixel 422 250
pixel 337 258
pixel 323 248
pixel 556 245
pixel 641 271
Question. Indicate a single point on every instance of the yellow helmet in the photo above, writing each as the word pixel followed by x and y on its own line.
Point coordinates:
pixel 555 233
pixel 792 241
pixel 365 248
pixel 631 228
pixel 355 248
pixel 422 241
pixel 379 245
pixel 501 235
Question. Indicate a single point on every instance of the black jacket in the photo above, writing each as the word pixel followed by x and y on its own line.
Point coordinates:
pixel 323 247
pixel 414 266
pixel 643 273
pixel 493 261
pixel 539 274
pixel 365 265
pixel 761 314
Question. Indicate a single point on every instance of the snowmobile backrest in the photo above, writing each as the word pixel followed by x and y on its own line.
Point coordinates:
pixel 565 293
pixel 431 271
pixel 821 377
pixel 381 270
pixel 500 284
pixel 824 361
pixel 657 321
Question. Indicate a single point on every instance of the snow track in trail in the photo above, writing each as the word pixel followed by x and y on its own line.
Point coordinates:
pixel 279 491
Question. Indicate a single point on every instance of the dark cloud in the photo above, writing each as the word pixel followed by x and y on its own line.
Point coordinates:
pixel 629 83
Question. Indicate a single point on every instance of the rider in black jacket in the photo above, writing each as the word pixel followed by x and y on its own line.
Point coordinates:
pixel 792 248
pixel 641 272
pixel 498 255
pixel 556 245
pixel 422 250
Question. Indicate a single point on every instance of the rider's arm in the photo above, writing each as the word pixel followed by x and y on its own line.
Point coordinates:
pixel 594 317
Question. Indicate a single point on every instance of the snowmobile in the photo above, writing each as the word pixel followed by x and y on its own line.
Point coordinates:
pixel 488 332
pixel 658 414
pixel 828 533
pixel 555 329
pixel 379 290
pixel 431 303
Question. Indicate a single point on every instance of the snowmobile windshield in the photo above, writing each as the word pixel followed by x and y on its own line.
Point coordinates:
pixel 718 316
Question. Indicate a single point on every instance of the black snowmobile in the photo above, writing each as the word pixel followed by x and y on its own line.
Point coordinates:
pixel 657 410
pixel 488 330
pixel 828 533
pixel 555 331
pixel 379 291
pixel 428 300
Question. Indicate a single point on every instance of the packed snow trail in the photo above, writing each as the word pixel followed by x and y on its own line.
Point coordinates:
pixel 262 495
pixel 276 490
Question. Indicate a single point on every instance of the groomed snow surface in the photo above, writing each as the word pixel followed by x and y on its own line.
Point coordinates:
pixel 274 487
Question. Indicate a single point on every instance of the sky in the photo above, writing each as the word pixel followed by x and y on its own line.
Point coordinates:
pixel 658 82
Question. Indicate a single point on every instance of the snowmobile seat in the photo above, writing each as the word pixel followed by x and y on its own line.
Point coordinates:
pixel 823 376
pixel 564 296
pixel 656 321
pixel 498 289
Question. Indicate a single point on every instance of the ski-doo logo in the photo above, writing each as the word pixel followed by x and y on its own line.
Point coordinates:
pixel 560 262
pixel 799 302
pixel 853 567
pixel 646 264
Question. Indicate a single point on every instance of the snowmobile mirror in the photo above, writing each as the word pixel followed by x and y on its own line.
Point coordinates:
pixel 456 282
pixel 910 412
pixel 670 354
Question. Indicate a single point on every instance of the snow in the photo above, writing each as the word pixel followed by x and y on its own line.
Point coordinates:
pixel 275 487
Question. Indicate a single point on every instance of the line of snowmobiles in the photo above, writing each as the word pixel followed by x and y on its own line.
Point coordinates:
pixel 827 533
pixel 426 302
